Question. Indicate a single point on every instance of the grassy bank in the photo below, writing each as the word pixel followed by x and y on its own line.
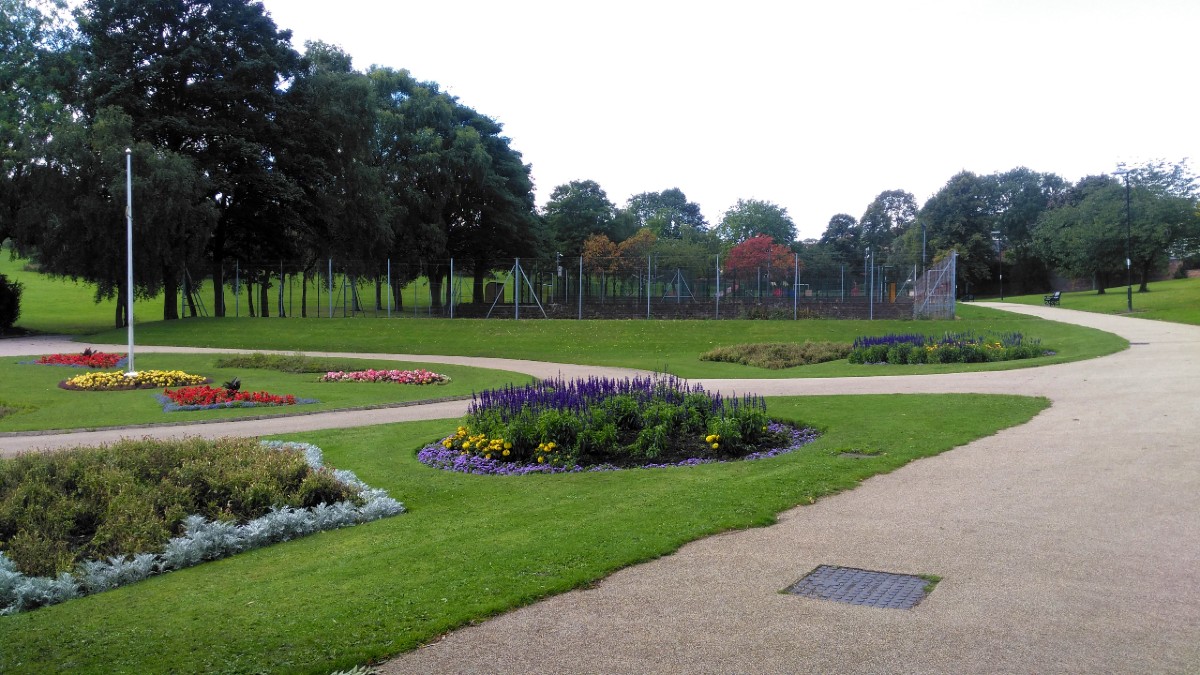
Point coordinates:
pixel 33 400
pixel 668 346
pixel 470 547
pixel 1177 300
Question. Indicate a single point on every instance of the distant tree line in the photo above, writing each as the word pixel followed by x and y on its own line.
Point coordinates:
pixel 245 149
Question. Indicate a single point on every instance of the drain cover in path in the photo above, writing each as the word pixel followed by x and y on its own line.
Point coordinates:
pixel 861 587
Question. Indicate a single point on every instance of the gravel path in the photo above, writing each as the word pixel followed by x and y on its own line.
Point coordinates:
pixel 1068 544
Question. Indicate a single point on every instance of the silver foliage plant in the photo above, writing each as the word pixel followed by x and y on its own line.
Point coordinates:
pixel 201 541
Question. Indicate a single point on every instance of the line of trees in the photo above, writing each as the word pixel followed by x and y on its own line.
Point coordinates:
pixel 245 149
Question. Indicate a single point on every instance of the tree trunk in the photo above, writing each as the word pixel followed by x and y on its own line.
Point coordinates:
pixel 189 293
pixel 170 295
pixel 218 274
pixel 397 297
pixel 264 295
pixel 378 293
pixel 249 295
pixel 120 318
pixel 304 295
pixel 436 273
pixel 478 279
pixel 1145 274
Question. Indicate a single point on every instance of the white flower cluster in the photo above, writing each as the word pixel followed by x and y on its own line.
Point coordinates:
pixel 202 540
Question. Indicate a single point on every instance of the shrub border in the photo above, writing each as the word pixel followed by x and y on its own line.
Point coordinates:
pixel 202 540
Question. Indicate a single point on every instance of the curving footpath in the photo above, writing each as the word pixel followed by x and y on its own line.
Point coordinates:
pixel 1068 544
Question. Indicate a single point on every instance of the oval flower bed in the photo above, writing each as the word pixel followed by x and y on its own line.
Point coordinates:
pixel 418 376
pixel 204 397
pixel 119 381
pixel 950 348
pixel 85 359
pixel 556 426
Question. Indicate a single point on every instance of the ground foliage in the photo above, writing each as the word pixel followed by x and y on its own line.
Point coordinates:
pixel 779 355
pixel 913 349
pixel 629 422
pixel 59 509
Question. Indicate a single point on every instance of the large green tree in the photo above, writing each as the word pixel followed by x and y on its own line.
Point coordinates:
pixel 960 217
pixel 1086 232
pixel 753 217
pixel 203 79
pixel 330 120
pixel 577 210
pixel 887 217
pixel 74 223
pixel 668 214
pixel 842 237
pixel 36 65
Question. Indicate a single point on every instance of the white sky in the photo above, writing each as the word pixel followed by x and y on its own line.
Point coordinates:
pixel 816 106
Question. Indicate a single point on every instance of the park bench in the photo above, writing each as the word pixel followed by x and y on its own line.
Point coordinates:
pixel 1053 298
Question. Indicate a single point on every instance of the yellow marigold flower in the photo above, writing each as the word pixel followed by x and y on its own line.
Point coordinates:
pixel 508 446
pixel 507 453
pixel 541 459
pixel 710 438
pixel 716 445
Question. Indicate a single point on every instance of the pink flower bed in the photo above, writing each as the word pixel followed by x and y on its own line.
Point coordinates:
pixel 418 376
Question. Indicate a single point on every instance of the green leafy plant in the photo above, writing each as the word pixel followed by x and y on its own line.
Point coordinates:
pixel 779 355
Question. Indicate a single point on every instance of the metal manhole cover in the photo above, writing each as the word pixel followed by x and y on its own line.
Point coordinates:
pixel 862 587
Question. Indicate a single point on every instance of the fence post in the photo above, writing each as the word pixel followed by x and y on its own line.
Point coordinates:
pixel 580 288
pixel 237 283
pixel 389 287
pixel 517 289
pixel 451 288
pixel 796 289
pixel 329 278
pixel 649 262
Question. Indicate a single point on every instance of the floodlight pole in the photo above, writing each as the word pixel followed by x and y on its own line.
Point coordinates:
pixel 130 370
pixel 1122 171
pixel 999 261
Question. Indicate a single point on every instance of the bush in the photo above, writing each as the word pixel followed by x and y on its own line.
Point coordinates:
pixel 779 355
pixel 59 509
pixel 10 303
pixel 333 499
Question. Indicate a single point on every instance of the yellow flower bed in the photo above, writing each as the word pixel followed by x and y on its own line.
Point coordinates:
pixel 145 379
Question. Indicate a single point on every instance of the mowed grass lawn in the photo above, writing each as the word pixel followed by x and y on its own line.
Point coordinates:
pixel 1177 300
pixel 470 546
pixel 30 398
pixel 665 346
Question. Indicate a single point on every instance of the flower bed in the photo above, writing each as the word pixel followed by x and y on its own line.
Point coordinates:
pixel 119 381
pixel 333 499
pixel 204 397
pixel 85 359
pixel 418 376
pixel 914 349
pixel 438 456
pixel 571 425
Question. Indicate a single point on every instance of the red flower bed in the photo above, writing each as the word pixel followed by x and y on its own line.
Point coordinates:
pixel 205 395
pixel 88 359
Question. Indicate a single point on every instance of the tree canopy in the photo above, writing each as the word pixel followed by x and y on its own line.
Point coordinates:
pixel 752 217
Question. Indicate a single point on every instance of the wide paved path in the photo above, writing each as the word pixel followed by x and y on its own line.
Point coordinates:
pixel 1068 544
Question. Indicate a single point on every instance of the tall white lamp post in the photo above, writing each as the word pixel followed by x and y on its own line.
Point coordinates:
pixel 131 371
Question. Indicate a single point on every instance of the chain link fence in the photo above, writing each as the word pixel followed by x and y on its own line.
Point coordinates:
pixel 646 287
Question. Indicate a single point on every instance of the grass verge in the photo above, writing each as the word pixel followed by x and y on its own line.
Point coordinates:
pixel 470 546
pixel 1176 300
pixel 665 346
pixel 36 402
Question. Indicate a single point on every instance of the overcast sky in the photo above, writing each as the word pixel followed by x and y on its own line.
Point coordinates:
pixel 817 107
